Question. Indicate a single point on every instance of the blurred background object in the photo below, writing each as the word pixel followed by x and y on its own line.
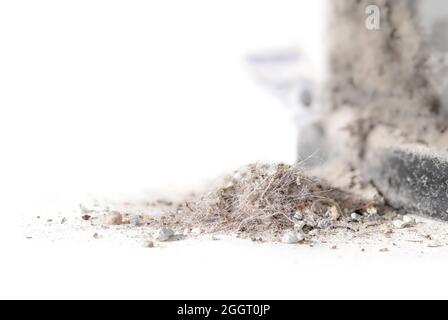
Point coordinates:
pixel 290 76
pixel 287 73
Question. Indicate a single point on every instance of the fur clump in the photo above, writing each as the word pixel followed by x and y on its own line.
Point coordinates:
pixel 266 200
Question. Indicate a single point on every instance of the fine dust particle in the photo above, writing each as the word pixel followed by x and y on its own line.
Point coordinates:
pixel 372 210
pixel 114 219
pixel 324 224
pixel 164 234
pixel 384 250
pixel 334 247
pixel 196 231
pixel 292 237
pixel 386 229
pixel 135 220
pixel 373 217
pixel 434 244
pixel 148 244
pixel 86 217
pixel 407 222
pixel 84 209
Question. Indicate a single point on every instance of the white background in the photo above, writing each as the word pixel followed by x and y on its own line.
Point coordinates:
pixel 113 97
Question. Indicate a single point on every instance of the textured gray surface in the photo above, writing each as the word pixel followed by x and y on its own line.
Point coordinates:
pixel 409 175
pixel 417 183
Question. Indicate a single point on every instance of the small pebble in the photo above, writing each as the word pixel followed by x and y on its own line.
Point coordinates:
pixel 355 217
pixel 407 222
pixel 96 235
pixel 372 210
pixel 148 244
pixel 164 234
pixel 324 224
pixel 86 217
pixel 399 224
pixel 384 250
pixel 64 220
pixel 114 219
pixel 333 213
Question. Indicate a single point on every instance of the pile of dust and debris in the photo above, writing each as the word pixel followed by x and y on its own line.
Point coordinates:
pixel 264 203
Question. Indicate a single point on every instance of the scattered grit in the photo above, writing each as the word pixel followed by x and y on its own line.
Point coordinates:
pixel 266 203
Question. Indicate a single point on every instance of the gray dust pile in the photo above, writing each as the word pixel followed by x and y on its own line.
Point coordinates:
pixel 262 202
